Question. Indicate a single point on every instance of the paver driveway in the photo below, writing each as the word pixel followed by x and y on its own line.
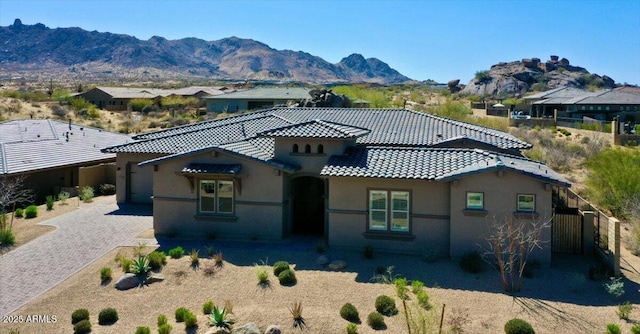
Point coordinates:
pixel 81 237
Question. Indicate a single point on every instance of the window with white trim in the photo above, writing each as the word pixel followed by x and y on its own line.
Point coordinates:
pixel 388 210
pixel 216 196
pixel 526 202
pixel 475 201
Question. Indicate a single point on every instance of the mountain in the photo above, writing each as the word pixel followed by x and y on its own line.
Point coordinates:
pixel 519 77
pixel 74 52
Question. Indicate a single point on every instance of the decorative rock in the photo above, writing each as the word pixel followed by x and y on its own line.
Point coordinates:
pixel 249 328
pixel 322 260
pixel 273 329
pixel 153 278
pixel 337 265
pixel 217 330
pixel 127 281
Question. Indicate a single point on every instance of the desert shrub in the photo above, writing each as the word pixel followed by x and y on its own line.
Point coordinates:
pixel 180 312
pixel 164 329
pixel 635 329
pixel 19 213
pixel 31 211
pixel 613 329
pixel 176 252
pixel 423 299
pixel 614 178
pixel 208 307
pixel 82 327
pixel 350 313
pixel 218 259
pixel 126 265
pixel 219 318
pixel 376 320
pixel 107 316
pixel 386 305
pixel 287 278
pixel 352 328
pixel 624 310
pixel 63 196
pixel 367 252
pixel 87 194
pixel 157 259
pixel 190 320
pixel 615 287
pixel 50 200
pixel 162 319
pixel 79 315
pixel 7 237
pixel 107 189
pixel 416 286
pixel 296 313
pixel 105 274
pixel 141 104
pixel 194 255
pixel 263 277
pixel 141 266
pixel 471 262
pixel 143 330
pixel 401 288
pixel 279 267
pixel 518 326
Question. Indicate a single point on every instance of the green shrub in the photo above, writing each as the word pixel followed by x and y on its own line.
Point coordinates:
pixel 376 320
pixel 614 178
pixel 518 326
pixel 350 313
pixel 107 189
pixel 31 211
pixel 279 267
pixel 50 201
pixel 79 315
pixel 126 265
pixel 162 320
pixel 7 237
pixel 141 266
pixel 164 329
pixel 386 305
pixel 471 262
pixel 352 328
pixel 263 276
pixel 143 330
pixel 208 307
pixel 416 286
pixel 190 320
pixel 287 278
pixel 19 213
pixel 176 252
pixel 423 299
pixel 194 255
pixel 82 327
pixel 635 329
pixel 107 316
pixel 63 196
pixel 105 274
pixel 157 259
pixel 615 287
pixel 613 329
pixel 180 314
pixel 219 318
pixel 87 194
pixel 624 310
pixel 401 288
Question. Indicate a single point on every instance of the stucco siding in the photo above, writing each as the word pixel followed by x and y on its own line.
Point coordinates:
pixel 500 189
pixel 126 161
pixel 312 162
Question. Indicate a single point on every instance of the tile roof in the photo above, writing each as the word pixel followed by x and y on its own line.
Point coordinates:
pixel 196 168
pixel 37 144
pixel 317 129
pixel 265 94
pixel 435 164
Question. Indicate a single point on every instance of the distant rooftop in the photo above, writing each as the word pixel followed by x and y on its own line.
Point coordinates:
pixel 266 94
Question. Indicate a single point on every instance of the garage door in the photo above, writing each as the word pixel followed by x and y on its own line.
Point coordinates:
pixel 139 183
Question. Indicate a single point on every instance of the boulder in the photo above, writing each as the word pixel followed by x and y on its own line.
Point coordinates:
pixel 273 329
pixel 337 264
pixel 127 281
pixel 453 83
pixel 322 260
pixel 249 328
pixel 564 61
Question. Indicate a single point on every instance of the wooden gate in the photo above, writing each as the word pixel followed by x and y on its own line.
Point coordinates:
pixel 566 231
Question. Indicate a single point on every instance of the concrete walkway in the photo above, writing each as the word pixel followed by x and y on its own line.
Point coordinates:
pixel 82 236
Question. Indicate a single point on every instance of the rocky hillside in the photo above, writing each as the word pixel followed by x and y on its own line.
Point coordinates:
pixel 519 77
pixel 91 55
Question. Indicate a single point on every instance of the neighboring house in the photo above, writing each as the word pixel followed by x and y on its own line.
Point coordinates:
pixel 119 98
pixel 57 155
pixel 394 179
pixel 603 105
pixel 256 98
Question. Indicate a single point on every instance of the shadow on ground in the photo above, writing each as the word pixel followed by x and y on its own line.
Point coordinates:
pixel 127 209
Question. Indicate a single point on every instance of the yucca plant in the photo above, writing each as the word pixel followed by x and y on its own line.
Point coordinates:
pixel 141 266
pixel 296 312
pixel 218 318
pixel 217 258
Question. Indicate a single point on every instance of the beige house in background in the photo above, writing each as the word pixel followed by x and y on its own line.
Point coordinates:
pixel 394 179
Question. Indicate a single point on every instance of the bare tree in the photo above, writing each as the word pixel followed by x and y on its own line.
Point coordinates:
pixel 12 192
pixel 509 245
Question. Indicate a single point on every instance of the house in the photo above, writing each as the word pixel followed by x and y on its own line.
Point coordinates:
pixel 568 102
pixel 394 179
pixel 56 155
pixel 119 98
pixel 256 98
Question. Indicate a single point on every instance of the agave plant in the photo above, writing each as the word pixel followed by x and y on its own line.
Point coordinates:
pixel 141 266
pixel 218 318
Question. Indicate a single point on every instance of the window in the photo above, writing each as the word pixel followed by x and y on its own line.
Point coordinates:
pixel 307 148
pixel 389 206
pixel 526 202
pixel 216 196
pixel 475 201
pixel 320 149
pixel 295 148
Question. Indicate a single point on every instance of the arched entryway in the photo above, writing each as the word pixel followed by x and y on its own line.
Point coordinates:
pixel 308 194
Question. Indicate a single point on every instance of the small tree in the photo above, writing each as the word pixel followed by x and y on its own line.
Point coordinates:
pixel 12 192
pixel 509 245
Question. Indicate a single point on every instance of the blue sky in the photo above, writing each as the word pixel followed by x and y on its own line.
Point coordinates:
pixel 436 39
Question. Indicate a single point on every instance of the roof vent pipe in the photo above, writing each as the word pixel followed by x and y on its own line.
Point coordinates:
pixel 69 124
